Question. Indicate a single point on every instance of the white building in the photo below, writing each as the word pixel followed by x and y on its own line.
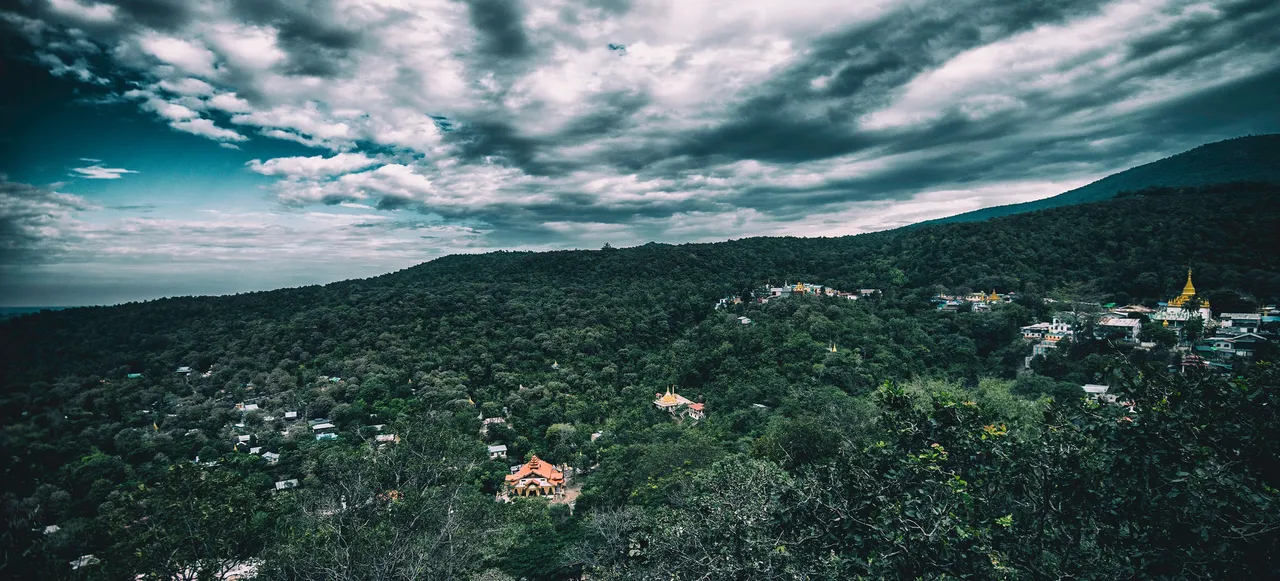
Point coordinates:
pixel 1098 392
pixel 1130 328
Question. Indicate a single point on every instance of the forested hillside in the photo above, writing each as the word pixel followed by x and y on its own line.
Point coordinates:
pixel 1254 158
pixel 876 438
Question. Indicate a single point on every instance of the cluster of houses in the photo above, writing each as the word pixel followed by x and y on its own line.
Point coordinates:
pixel 1227 339
pixel 979 301
pixel 767 292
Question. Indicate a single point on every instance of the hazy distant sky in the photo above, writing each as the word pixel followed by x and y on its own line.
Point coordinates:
pixel 161 147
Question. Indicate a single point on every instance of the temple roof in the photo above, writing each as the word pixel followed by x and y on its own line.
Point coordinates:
pixel 536 468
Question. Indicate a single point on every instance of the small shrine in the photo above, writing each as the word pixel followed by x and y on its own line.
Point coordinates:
pixel 677 404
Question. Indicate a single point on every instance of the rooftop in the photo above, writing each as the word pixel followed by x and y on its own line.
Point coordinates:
pixel 536 468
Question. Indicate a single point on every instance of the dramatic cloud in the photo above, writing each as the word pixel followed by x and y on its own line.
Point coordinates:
pixel 97 172
pixel 558 123
pixel 31 220
pixel 53 246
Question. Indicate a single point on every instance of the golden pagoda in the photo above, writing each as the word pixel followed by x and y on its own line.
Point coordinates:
pixel 1188 291
pixel 677 404
pixel 670 400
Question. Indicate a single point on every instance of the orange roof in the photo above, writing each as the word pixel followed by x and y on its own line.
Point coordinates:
pixel 536 468
pixel 696 406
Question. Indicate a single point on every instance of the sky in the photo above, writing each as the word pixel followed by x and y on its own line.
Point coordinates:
pixel 155 148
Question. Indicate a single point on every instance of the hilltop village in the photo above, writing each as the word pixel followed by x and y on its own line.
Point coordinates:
pixel 1185 324
pixel 769 292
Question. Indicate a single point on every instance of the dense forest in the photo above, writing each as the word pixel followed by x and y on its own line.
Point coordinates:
pixel 843 439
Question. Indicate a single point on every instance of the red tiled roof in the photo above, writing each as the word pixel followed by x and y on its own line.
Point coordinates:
pixel 536 467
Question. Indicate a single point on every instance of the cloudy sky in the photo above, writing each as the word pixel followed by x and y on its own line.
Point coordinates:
pixel 161 147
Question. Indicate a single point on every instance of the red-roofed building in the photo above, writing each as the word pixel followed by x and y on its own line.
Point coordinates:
pixel 536 478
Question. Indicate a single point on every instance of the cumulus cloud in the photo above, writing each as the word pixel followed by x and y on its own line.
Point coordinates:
pixel 557 122
pixel 186 86
pixel 206 128
pixel 312 167
pixel 85 11
pixel 97 172
pixel 187 55
pixel 77 69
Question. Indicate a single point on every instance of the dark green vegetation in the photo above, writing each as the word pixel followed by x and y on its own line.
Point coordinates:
pixel 10 312
pixel 913 451
pixel 1255 158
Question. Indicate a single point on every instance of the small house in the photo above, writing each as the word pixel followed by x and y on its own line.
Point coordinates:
pixel 185 370
pixel 485 423
pixel 1239 323
pixel 84 561
pixel 287 484
pixel 1125 327
pixel 1098 392
pixel 498 451
pixel 255 450
pixel 271 457
pixel 131 376
pixel 291 415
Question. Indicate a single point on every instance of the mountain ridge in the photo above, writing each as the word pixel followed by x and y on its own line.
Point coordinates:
pixel 1249 158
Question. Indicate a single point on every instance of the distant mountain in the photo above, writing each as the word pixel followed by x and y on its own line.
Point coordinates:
pixel 1255 158
pixel 10 312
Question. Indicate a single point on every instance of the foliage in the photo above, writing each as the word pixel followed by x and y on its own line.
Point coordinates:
pixel 917 447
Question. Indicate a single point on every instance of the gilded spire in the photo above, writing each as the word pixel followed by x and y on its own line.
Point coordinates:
pixel 1188 291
